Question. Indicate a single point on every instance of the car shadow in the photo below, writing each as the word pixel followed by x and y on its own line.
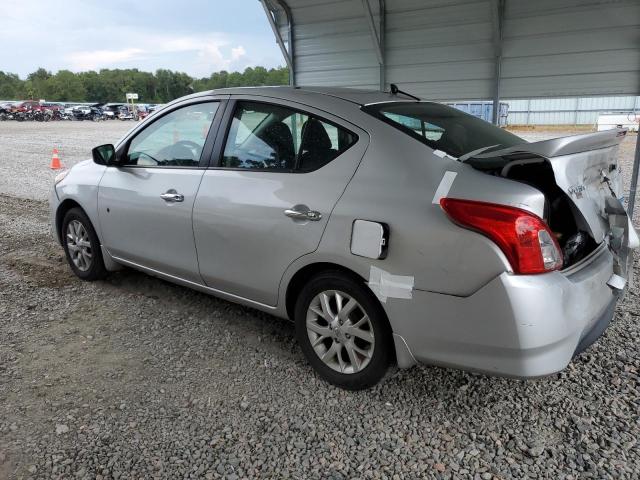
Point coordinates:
pixel 276 337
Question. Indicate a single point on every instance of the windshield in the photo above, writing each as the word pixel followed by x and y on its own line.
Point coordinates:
pixel 443 128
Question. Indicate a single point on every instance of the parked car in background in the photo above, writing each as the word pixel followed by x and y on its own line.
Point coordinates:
pixel 25 106
pixel 97 114
pixel 110 110
pixel 108 113
pixel 45 111
pixel 6 111
pixel 155 108
pixel 142 111
pixel 388 229
pixel 87 112
pixel 125 113
pixel 51 106
pixel 82 112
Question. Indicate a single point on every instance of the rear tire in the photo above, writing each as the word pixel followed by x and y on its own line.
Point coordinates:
pixel 82 246
pixel 343 331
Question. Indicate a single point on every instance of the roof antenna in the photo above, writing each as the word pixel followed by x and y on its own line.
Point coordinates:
pixel 395 90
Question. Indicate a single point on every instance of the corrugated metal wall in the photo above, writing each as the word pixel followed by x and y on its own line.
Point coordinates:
pixel 436 48
pixel 558 48
pixel 567 111
pixel 444 49
pixel 333 44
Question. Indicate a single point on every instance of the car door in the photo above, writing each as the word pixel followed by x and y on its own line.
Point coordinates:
pixel 280 169
pixel 145 203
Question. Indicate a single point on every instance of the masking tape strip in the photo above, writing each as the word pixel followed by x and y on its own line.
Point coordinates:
pixel 445 185
pixel 634 242
pixel 385 285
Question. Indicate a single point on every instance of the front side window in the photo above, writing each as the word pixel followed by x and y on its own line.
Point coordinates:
pixel 272 137
pixel 442 127
pixel 175 140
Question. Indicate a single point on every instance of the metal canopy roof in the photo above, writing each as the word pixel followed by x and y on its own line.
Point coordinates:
pixel 457 49
pixel 464 49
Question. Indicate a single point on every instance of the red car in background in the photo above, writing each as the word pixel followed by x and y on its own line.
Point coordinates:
pixel 25 106
pixel 35 106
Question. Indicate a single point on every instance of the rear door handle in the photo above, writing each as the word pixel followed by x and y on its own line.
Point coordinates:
pixel 301 212
pixel 172 196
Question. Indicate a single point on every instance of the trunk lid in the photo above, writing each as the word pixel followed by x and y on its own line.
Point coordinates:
pixel 586 168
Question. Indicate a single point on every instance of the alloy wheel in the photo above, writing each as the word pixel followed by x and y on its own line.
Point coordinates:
pixel 79 245
pixel 340 331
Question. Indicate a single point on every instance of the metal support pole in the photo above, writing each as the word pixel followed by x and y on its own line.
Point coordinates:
pixel 498 32
pixel 377 35
pixel 292 45
pixel 496 95
pixel 372 27
pixel 383 18
pixel 634 178
pixel 287 53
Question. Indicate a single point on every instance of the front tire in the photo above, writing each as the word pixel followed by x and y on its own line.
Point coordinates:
pixel 343 331
pixel 81 246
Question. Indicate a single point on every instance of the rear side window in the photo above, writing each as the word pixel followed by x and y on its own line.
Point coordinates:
pixel 442 127
pixel 273 137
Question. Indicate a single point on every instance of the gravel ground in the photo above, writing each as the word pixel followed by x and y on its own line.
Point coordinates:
pixel 134 377
pixel 26 148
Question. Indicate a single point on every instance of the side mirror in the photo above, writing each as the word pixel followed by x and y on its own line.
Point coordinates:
pixel 104 154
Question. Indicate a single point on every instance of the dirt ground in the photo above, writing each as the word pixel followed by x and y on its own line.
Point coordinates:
pixel 133 377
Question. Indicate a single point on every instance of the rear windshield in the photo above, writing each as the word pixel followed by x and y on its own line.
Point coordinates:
pixel 443 128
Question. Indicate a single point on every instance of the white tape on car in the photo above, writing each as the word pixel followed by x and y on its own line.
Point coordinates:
pixel 441 154
pixel 445 185
pixel 633 237
pixel 385 285
pixel 616 282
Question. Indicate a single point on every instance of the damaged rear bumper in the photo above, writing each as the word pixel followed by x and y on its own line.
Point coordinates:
pixel 597 329
pixel 520 326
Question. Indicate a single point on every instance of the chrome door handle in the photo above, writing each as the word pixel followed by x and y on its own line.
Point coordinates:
pixel 172 196
pixel 300 214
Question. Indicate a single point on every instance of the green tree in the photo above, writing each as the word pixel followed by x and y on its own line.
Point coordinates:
pixel 65 86
pixel 111 85
pixel 11 87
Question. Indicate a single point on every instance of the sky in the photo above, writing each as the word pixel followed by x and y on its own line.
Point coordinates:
pixel 193 36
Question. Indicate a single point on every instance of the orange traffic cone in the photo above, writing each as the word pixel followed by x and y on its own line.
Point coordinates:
pixel 55 160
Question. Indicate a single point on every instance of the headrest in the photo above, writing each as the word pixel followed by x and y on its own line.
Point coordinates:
pixel 314 136
pixel 278 136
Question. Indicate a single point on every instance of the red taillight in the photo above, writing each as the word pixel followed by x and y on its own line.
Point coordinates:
pixel 524 238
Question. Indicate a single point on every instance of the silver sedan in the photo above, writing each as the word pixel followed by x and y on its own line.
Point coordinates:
pixel 390 230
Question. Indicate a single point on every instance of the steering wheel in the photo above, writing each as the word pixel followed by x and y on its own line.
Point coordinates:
pixel 181 150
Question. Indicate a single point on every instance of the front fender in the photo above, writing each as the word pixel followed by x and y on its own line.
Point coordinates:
pixel 80 186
